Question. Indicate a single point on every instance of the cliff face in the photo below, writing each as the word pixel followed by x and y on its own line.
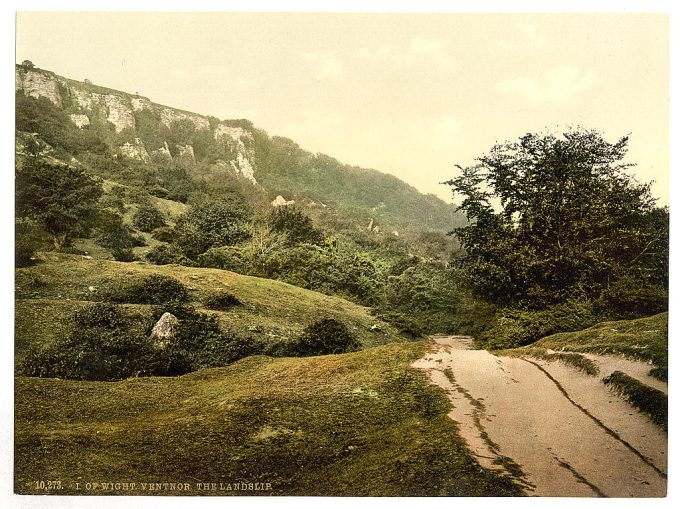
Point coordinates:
pixel 85 102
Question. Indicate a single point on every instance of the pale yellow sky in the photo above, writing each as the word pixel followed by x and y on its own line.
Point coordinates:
pixel 407 94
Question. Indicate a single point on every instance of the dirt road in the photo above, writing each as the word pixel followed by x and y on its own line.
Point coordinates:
pixel 555 430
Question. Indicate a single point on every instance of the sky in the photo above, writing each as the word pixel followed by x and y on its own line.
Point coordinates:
pixel 406 94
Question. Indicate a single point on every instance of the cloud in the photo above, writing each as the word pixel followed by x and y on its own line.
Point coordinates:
pixel 559 84
pixel 418 51
pixel 328 65
pixel 527 36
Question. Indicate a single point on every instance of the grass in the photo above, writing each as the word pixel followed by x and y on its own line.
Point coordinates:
pixel 363 423
pixel 644 339
pixel 651 401
pixel 573 359
pixel 59 284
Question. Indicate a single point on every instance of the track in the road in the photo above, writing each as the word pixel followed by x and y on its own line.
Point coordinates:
pixel 556 431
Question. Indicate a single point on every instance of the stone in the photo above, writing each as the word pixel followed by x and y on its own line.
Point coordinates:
pixel 38 84
pixel 164 330
pixel 80 120
pixel 136 151
pixel 280 201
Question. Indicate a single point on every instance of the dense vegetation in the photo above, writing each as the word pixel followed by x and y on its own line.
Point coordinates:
pixel 559 237
pixel 574 240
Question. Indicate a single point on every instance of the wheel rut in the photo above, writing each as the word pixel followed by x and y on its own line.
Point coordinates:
pixel 532 421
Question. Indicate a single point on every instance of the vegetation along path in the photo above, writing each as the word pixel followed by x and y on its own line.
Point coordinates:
pixel 555 430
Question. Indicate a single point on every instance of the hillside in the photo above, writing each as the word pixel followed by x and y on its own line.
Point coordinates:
pixel 50 292
pixel 104 122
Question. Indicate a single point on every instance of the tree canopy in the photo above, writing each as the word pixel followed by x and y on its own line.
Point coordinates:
pixel 62 198
pixel 551 217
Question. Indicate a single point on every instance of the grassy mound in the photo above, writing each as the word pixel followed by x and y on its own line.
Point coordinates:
pixel 49 292
pixel 645 339
pixel 363 423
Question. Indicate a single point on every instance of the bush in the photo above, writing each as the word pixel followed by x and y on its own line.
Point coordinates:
pixel 629 298
pixel 164 234
pixel 102 345
pixel 516 327
pixel 165 254
pixel 29 237
pixel 327 336
pixel 148 218
pixel 147 289
pixel 221 300
pixel 123 254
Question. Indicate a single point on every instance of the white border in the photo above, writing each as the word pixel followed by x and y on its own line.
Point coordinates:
pixel 7 28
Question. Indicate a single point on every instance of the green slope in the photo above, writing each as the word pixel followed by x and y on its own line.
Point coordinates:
pixel 59 284
pixel 355 424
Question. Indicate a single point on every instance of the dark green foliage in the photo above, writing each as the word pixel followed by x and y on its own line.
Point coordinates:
pixel 123 254
pixel 220 300
pixel 327 336
pixel 212 224
pixel 54 126
pixel 101 346
pixel 166 254
pixel 517 327
pixel 148 218
pixel 198 342
pixel 571 221
pixel 62 198
pixel 297 227
pixel 147 289
pixel 284 168
pixel 629 297
pixel 110 232
pixel 29 237
pixel 164 234
pixel 651 401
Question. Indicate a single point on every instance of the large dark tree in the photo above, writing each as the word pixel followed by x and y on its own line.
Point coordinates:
pixel 552 217
pixel 62 198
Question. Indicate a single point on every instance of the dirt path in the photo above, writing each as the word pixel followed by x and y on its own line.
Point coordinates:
pixel 556 431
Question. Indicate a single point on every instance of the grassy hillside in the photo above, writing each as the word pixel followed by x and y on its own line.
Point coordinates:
pixel 49 292
pixel 355 424
pixel 644 338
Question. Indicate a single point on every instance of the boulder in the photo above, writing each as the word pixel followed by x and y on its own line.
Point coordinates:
pixel 164 330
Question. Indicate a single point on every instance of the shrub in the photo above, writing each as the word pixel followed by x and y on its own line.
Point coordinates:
pixel 517 327
pixel 327 336
pixel 221 300
pixel 629 298
pixel 147 289
pixel 166 254
pixel 164 234
pixel 148 218
pixel 226 258
pixel 102 345
pixel 123 254
pixel 29 237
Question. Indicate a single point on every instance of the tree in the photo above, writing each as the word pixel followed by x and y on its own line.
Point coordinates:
pixel 148 218
pixel 62 198
pixel 554 216
pixel 212 224
pixel 297 227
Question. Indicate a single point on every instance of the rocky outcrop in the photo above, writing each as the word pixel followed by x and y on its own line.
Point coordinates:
pixel 169 115
pixel 280 201
pixel 186 154
pixel 237 138
pixel 38 84
pixel 164 330
pixel 141 103
pixel 135 151
pixel 80 120
pixel 119 113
